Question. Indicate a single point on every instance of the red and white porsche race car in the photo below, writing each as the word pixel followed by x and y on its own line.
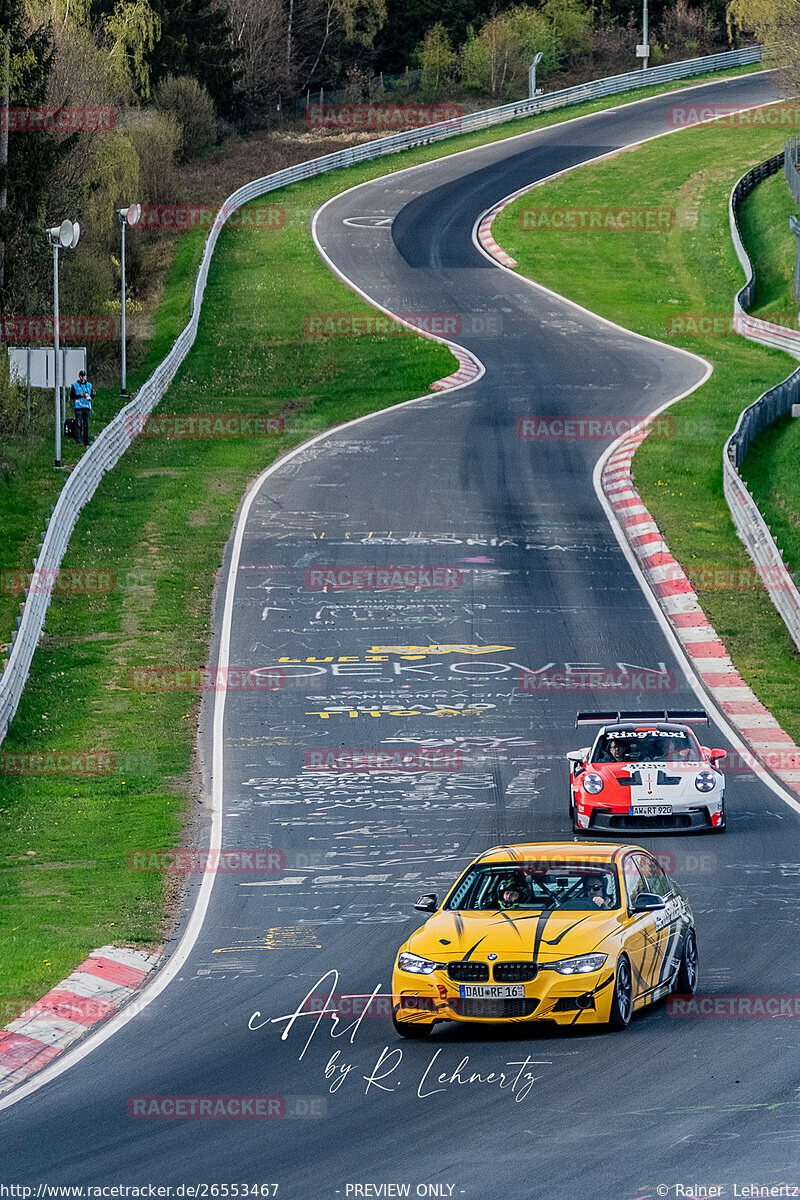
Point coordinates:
pixel 646 772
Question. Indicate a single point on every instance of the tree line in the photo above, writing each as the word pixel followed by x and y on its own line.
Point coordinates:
pixel 179 73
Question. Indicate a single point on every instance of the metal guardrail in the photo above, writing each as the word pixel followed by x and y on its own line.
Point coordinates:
pixel 774 403
pixel 114 440
pixel 755 418
pixel 791 167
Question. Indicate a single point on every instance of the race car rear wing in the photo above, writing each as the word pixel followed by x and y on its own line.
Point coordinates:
pixel 682 715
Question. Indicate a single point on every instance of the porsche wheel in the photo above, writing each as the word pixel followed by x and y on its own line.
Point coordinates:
pixel 416 1030
pixel 573 813
pixel 622 1002
pixel 687 976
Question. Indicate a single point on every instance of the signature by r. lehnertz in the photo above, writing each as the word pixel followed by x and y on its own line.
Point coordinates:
pixel 517 1076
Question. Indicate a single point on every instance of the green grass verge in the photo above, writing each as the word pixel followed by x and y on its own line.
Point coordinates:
pixel 688 269
pixel 159 523
pixel 28 483
pixel 764 224
pixel 770 467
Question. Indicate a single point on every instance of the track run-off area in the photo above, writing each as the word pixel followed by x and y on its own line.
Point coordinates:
pixel 520 571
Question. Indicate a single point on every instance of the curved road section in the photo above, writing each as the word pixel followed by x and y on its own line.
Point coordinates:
pixel 509 570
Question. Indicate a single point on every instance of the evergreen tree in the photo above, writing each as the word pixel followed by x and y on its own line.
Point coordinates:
pixel 27 159
pixel 195 40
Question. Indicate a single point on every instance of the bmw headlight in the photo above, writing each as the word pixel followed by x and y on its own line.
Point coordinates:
pixel 705 781
pixel 592 783
pixel 417 965
pixel 584 964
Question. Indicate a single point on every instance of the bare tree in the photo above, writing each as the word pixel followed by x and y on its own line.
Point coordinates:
pixel 261 33
pixel 284 43
pixel 685 30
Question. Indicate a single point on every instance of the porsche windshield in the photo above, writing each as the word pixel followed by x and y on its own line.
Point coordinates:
pixel 493 887
pixel 645 745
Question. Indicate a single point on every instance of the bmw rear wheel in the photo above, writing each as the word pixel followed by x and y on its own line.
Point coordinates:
pixel 622 1002
pixel 686 979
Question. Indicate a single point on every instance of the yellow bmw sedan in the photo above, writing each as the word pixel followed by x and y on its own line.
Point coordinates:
pixel 573 933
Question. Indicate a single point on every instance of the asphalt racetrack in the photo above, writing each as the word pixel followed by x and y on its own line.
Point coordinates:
pixel 444 483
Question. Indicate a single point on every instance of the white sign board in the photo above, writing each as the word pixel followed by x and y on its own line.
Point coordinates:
pixel 642 51
pixel 35 367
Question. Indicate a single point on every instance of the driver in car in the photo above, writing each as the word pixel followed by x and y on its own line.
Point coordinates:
pixel 615 748
pixel 594 890
pixel 510 894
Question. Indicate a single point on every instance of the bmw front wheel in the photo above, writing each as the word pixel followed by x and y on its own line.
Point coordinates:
pixel 622 1002
pixel 686 979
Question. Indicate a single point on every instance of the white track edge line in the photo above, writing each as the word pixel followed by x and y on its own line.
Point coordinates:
pixel 167 973
pixel 692 678
pixel 165 976
pixel 685 662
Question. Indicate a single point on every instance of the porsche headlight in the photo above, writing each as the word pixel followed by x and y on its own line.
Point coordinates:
pixel 417 965
pixel 705 781
pixel 584 964
pixel 592 783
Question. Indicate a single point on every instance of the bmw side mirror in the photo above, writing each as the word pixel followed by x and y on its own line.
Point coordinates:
pixel 718 755
pixel 428 903
pixel 575 756
pixel 648 902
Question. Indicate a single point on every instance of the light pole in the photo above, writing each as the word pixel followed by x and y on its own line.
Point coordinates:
pixel 61 237
pixel 532 76
pixel 127 216
pixel 643 51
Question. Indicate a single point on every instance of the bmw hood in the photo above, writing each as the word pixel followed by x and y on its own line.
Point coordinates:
pixel 524 934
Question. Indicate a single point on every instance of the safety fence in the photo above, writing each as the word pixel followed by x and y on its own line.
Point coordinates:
pixel 115 438
pixel 791 165
pixel 774 403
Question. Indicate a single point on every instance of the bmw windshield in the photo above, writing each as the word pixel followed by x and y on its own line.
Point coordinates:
pixel 501 887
